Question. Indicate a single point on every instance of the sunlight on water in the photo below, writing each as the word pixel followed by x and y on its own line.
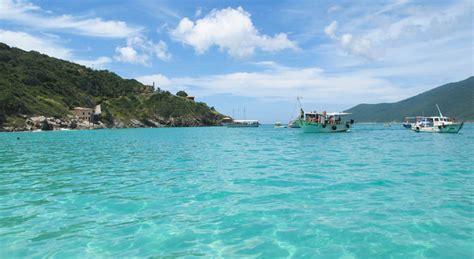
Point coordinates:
pixel 237 192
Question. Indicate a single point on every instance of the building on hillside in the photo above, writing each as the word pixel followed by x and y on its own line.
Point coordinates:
pixel 97 110
pixel 190 98
pixel 83 113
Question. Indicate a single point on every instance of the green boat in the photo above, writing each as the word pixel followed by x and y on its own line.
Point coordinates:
pixel 314 122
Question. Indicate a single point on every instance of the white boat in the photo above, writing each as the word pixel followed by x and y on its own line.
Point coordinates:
pixel 436 124
pixel 314 122
pixel 409 121
pixel 243 124
pixel 279 125
pixel 293 124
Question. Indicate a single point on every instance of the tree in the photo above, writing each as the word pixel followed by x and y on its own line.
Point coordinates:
pixel 182 94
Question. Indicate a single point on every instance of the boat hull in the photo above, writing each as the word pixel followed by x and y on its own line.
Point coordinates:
pixel 294 124
pixel 242 126
pixel 313 127
pixel 450 128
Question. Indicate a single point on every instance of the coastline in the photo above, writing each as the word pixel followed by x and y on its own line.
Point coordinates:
pixel 43 123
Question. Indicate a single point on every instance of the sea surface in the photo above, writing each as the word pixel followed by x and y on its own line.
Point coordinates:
pixel 237 192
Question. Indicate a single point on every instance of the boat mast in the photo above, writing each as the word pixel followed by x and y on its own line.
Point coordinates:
pixel 298 99
pixel 440 114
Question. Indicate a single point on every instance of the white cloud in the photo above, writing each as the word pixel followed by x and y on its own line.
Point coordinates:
pixel 281 82
pixel 399 24
pixel 28 42
pixel 330 30
pixel 98 63
pixel 232 31
pixel 333 9
pixel 198 12
pixel 130 55
pixel 161 50
pixel 48 45
pixel 157 79
pixel 139 51
pixel 29 14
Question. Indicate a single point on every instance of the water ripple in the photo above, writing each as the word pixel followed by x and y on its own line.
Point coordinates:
pixel 222 192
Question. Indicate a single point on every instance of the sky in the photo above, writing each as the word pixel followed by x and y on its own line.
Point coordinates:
pixel 258 56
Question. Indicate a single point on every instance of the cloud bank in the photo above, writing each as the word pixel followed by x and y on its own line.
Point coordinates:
pixel 278 82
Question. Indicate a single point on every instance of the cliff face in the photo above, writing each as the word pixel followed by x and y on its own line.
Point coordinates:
pixel 454 99
pixel 33 84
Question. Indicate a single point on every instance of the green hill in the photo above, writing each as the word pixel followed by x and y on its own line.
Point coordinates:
pixel 454 99
pixel 33 84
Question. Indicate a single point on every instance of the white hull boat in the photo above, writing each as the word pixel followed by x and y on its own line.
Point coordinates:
pixel 436 124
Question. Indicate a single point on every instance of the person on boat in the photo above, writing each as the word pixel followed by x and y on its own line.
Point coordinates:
pixel 301 113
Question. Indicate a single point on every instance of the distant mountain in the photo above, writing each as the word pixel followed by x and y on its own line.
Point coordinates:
pixel 455 100
pixel 33 84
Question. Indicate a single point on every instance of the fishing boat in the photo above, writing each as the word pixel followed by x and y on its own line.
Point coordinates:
pixel 243 124
pixel 436 124
pixel 323 122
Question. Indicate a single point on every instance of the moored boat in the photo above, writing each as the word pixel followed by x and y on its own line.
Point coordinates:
pixel 279 125
pixel 436 124
pixel 243 124
pixel 409 121
pixel 314 122
pixel 293 124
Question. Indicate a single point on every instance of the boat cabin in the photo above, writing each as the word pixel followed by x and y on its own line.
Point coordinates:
pixel 333 118
pixel 433 121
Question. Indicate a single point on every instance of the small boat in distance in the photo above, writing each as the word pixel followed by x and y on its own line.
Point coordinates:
pixel 323 122
pixel 243 124
pixel 279 125
pixel 436 124
pixel 293 124
pixel 409 121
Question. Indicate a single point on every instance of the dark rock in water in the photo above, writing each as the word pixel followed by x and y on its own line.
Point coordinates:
pixel 73 124
pixel 45 125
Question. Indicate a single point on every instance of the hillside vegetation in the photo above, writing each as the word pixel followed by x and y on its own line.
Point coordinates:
pixel 33 84
pixel 454 99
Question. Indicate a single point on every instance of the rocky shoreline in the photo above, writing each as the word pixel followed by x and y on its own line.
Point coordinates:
pixel 43 123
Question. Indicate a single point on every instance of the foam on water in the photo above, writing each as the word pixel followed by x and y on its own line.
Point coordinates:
pixel 373 192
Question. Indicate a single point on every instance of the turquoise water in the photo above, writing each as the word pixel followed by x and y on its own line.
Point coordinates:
pixel 373 192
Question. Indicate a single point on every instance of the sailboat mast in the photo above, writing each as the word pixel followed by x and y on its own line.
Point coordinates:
pixel 440 114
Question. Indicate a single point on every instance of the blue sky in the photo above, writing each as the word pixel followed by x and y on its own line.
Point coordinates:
pixel 258 55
